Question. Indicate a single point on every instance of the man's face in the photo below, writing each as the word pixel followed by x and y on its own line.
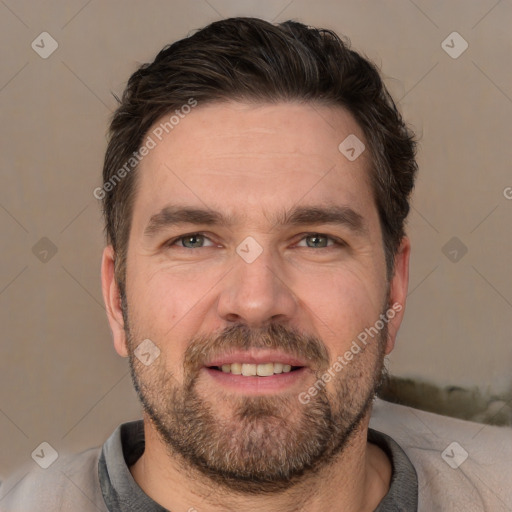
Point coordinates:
pixel 280 261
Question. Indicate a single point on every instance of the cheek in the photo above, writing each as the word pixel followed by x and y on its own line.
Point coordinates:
pixel 167 306
pixel 342 306
pixel 164 296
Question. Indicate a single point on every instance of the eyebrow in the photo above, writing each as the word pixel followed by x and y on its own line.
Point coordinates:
pixel 170 216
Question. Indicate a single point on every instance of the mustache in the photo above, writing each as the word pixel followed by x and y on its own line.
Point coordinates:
pixel 205 347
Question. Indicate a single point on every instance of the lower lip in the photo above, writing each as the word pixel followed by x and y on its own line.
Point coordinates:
pixel 257 385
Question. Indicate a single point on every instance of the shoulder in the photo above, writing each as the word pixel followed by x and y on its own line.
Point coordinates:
pixel 461 465
pixel 71 483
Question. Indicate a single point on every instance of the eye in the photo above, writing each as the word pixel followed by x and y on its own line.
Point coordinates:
pixel 192 241
pixel 318 241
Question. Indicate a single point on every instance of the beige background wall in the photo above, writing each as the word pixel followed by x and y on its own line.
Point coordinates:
pixel 62 381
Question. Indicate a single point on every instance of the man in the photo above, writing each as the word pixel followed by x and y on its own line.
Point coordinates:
pixel 256 186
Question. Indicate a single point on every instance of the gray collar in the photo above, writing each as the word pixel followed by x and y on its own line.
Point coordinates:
pixel 126 445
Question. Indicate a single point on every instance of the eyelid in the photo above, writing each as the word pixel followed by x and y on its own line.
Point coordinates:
pixel 172 241
pixel 336 240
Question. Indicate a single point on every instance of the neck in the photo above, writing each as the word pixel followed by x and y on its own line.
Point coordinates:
pixel 356 480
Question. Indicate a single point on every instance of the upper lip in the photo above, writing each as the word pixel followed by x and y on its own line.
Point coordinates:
pixel 256 356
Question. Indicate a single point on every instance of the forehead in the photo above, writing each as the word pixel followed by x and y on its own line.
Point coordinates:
pixel 247 160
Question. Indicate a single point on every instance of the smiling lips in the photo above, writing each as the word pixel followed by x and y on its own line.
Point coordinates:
pixel 257 372
pixel 261 370
pixel 260 363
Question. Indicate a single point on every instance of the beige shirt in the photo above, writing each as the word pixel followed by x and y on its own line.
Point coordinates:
pixel 461 467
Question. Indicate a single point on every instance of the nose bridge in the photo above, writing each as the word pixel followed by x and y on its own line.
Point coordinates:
pixel 259 272
pixel 255 293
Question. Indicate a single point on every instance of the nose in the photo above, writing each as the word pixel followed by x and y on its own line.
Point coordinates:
pixel 257 293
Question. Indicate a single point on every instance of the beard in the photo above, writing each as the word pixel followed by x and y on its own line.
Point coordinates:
pixel 256 444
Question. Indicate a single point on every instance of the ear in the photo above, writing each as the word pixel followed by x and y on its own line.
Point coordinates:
pixel 112 300
pixel 398 291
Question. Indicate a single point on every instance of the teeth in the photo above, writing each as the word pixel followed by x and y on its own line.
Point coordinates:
pixel 236 368
pixel 248 369
pixel 262 370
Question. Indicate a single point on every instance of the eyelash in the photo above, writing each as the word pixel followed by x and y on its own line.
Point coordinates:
pixel 337 241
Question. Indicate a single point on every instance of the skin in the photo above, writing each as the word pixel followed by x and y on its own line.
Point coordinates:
pixel 253 162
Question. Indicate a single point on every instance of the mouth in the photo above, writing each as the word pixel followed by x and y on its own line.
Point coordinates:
pixel 257 372
pixel 253 370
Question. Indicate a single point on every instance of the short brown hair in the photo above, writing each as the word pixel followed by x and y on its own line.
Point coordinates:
pixel 251 60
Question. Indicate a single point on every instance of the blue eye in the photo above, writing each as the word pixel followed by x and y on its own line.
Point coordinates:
pixel 317 240
pixel 199 240
pixel 193 241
